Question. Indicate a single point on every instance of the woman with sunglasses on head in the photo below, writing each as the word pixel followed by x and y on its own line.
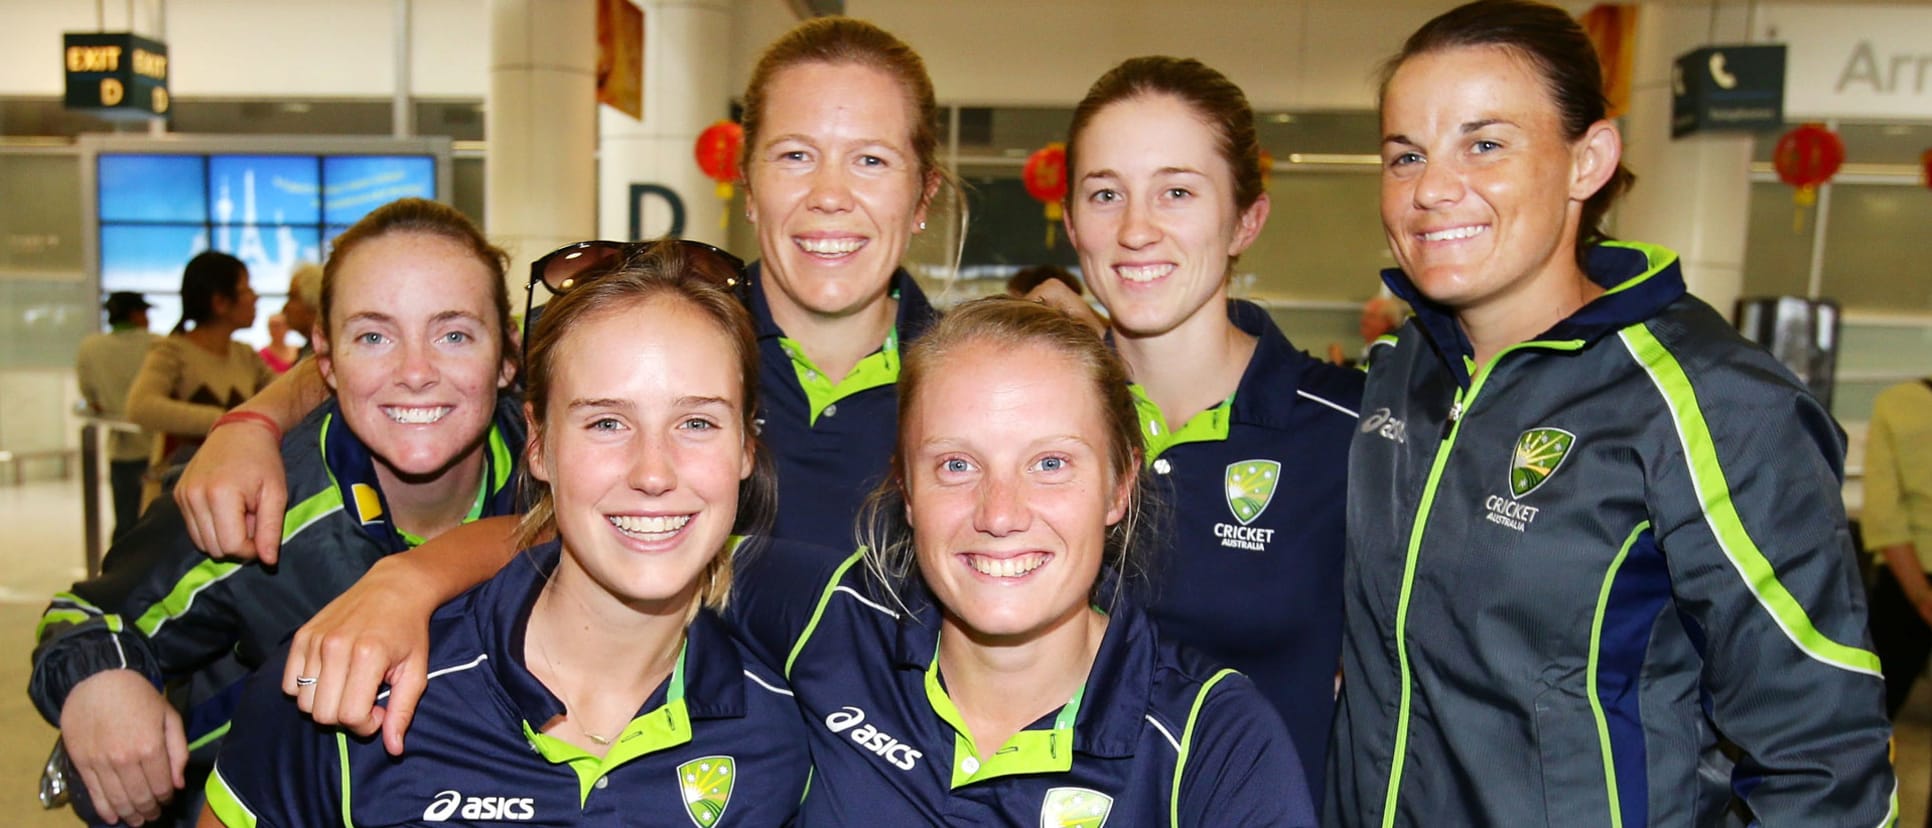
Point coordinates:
pixel 415 441
pixel 840 165
pixel 983 660
pixel 589 682
pixel 1604 578
pixel 1247 437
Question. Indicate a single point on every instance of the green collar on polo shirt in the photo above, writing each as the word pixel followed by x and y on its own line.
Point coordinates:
pixel 1029 751
pixel 1210 426
pixel 665 727
pixel 880 367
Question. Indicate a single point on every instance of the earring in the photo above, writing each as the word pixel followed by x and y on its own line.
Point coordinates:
pixel 922 226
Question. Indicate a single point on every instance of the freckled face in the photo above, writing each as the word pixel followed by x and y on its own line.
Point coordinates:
pixel 835 187
pixel 414 354
pixel 1008 489
pixel 1480 187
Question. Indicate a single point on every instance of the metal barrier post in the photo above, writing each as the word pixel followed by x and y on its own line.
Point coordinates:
pixel 91 437
pixel 94 435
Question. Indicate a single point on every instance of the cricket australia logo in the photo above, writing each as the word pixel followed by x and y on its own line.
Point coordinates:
pixel 1075 808
pixel 1538 454
pixel 1249 485
pixel 705 786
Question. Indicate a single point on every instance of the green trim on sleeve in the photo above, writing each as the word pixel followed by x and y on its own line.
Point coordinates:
pixel 210 736
pixel 316 507
pixel 342 759
pixel 1596 648
pixel 1720 512
pixel 1187 742
pixel 824 597
pixel 178 600
pixel 82 612
pixel 223 802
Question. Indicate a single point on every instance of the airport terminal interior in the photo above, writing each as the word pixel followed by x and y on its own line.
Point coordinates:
pixel 481 104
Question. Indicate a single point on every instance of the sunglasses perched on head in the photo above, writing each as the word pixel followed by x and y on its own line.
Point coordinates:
pixel 572 265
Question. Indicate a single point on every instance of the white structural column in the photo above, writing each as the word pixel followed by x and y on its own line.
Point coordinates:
pixel 1693 194
pixel 687 79
pixel 541 172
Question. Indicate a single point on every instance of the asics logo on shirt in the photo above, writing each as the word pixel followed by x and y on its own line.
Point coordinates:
pixel 446 805
pixel 899 754
pixel 1382 423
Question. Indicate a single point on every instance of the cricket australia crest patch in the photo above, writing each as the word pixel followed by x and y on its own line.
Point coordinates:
pixel 705 786
pixel 1249 486
pixel 1075 808
pixel 1539 453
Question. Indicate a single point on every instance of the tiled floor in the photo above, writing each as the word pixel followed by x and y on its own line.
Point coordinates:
pixel 43 551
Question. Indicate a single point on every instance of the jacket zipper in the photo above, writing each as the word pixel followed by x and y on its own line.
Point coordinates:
pixel 1457 408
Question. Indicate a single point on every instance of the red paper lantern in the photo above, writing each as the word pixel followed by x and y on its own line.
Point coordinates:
pixel 1925 168
pixel 1045 177
pixel 1807 157
pixel 717 153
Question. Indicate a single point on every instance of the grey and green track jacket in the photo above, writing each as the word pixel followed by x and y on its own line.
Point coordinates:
pixel 1604 580
pixel 199 625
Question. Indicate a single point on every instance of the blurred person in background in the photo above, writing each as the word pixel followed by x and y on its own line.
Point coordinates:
pixel 198 372
pixel 279 355
pixel 304 298
pixel 1897 525
pixel 106 366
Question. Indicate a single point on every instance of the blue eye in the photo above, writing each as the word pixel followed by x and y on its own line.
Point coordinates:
pixel 1402 159
pixel 698 424
pixel 605 424
pixel 1052 463
pixel 871 161
pixel 456 337
pixel 370 338
pixel 1486 145
pixel 956 465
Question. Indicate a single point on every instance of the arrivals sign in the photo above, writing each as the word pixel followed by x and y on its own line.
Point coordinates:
pixel 1727 89
pixel 1853 60
pixel 117 74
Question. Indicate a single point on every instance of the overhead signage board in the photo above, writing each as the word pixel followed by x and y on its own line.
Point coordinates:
pixel 1853 60
pixel 1727 89
pixel 116 74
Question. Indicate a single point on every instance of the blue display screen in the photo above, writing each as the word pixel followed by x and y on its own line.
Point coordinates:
pixel 154 188
pixel 271 211
pixel 360 183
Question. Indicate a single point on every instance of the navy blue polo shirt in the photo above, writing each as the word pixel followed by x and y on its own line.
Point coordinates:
pixel 1157 736
pixel 719 743
pixel 831 444
pixel 1248 568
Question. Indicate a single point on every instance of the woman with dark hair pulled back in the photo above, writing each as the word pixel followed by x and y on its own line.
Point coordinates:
pixel 1599 572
